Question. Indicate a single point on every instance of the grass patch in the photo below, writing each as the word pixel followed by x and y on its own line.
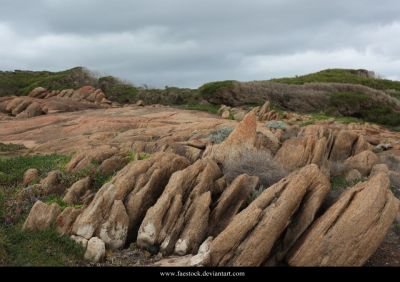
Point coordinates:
pixel 316 117
pixel 342 76
pixel 12 169
pixel 212 109
pixel 339 183
pixel 55 199
pixel 28 248
pixel 37 248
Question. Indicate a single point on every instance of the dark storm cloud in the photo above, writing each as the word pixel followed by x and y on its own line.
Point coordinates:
pixel 187 42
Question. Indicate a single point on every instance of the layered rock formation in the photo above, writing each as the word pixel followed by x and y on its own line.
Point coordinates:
pixel 41 101
pixel 351 230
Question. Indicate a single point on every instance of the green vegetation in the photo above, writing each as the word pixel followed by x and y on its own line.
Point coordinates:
pixel 22 82
pixel 347 99
pixel 382 115
pixel 118 91
pixel 142 156
pixel 343 76
pixel 59 201
pixel 209 89
pixel 12 169
pixel 315 117
pixel 219 135
pixel 340 183
pixel 11 147
pixel 37 248
pixel 212 109
pixel 29 248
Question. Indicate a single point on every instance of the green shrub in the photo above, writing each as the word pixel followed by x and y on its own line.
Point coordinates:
pixel 219 135
pixel 347 99
pixel 212 109
pixel 118 91
pixel 209 89
pixel 255 163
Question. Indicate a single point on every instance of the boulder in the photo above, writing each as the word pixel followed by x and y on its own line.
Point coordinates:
pixel 378 168
pixel 343 145
pixel 230 202
pixel 178 221
pixel 38 92
pixel 33 110
pixel 138 185
pixel 96 250
pixel 351 230
pixel 41 216
pixel 299 152
pixel 30 176
pixel 52 183
pixel 140 103
pixel 80 240
pixel 265 231
pixel 113 164
pixel 243 137
pixel 263 111
pixel 266 140
pixel 66 219
pixel 226 114
pixel 363 162
pixel 200 259
pixel 77 190
pixel 115 230
pixel 84 159
pixel 353 176
pixel 239 115
pixel 25 102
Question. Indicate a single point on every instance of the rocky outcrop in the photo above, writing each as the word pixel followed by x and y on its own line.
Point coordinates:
pixel 84 159
pixel 41 216
pixel 95 250
pixel 244 138
pixel 138 186
pixel 363 162
pixel 115 230
pixel 51 184
pixel 351 230
pixel 30 176
pixel 66 219
pixel 317 144
pixel 229 203
pixel 86 94
pixel 274 221
pixel 74 194
pixel 41 101
pixel 179 220
pixel 112 165
pixel 200 259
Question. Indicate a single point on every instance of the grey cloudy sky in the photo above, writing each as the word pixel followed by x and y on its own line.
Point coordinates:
pixel 189 42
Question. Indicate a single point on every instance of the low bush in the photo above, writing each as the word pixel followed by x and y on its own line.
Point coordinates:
pixel 210 89
pixel 255 163
pixel 219 135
